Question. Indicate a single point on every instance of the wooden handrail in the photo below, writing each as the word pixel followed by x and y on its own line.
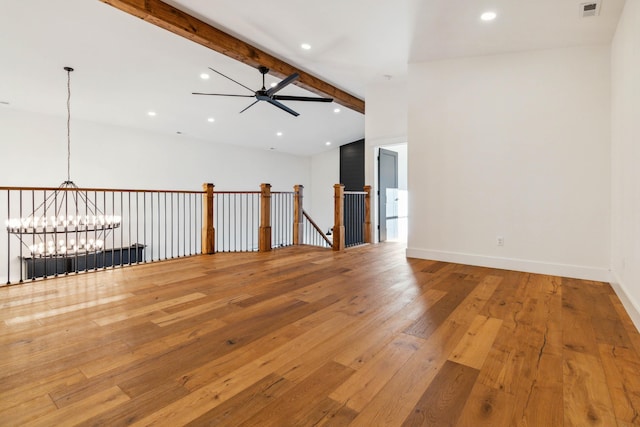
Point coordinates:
pixel 253 192
pixel 312 222
pixel 129 190
pixel 110 190
pixel 237 192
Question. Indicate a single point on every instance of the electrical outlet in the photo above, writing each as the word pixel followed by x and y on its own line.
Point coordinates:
pixel 500 241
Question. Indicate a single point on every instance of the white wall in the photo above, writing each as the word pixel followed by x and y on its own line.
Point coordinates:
pixel 325 173
pixel 33 150
pixel 625 248
pixel 385 121
pixel 385 124
pixel 386 110
pixel 513 145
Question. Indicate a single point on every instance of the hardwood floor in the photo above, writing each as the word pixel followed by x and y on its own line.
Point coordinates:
pixel 309 337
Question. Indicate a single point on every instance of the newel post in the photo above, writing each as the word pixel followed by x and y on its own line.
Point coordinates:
pixel 297 214
pixel 338 218
pixel 367 215
pixel 208 231
pixel 264 233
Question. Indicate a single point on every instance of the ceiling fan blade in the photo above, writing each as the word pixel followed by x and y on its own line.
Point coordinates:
pixel 249 89
pixel 222 94
pixel 283 107
pixel 283 83
pixel 300 98
pixel 254 103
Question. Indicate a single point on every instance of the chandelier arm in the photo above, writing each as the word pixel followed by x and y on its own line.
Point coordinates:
pixel 91 206
pixel 75 201
pixel 57 206
pixel 36 209
pixel 85 199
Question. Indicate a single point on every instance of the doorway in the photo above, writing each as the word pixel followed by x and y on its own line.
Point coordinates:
pixel 392 193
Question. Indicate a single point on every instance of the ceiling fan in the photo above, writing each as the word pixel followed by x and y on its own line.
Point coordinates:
pixel 269 95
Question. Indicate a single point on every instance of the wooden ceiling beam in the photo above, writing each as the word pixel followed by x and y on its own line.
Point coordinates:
pixel 187 26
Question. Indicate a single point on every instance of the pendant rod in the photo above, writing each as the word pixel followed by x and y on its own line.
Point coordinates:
pixel 68 70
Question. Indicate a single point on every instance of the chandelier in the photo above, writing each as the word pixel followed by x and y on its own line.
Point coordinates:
pixel 67 222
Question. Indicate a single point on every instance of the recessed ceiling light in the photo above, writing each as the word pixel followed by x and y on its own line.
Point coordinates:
pixel 336 110
pixel 204 76
pixel 211 120
pixel 151 113
pixel 274 84
pixel 488 16
pixel 179 133
pixel 305 46
pixel 327 143
pixel 272 148
pixel 279 133
pixel 4 103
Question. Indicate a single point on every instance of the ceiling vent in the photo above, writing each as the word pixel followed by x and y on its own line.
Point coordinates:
pixel 591 8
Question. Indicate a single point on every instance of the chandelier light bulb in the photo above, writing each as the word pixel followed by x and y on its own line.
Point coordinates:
pixel 62 225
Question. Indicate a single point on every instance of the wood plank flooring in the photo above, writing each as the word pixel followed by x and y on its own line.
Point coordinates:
pixel 309 337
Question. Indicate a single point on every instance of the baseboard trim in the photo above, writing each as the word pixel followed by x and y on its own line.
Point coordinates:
pixel 552 269
pixel 632 307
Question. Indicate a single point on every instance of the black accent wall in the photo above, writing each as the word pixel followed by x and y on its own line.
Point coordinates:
pixel 352 166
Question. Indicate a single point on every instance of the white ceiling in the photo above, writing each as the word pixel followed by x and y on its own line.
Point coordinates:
pixel 126 67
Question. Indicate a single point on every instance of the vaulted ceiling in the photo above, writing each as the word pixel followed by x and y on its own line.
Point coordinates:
pixel 126 67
